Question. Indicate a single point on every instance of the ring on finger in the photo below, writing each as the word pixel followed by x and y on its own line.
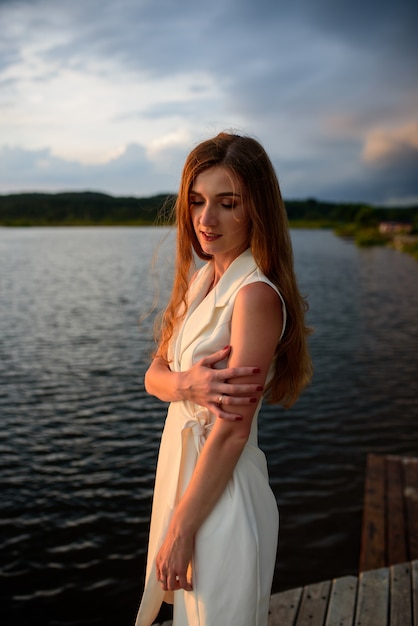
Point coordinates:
pixel 220 399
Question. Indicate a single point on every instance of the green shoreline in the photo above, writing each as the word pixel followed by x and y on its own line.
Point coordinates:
pixel 358 221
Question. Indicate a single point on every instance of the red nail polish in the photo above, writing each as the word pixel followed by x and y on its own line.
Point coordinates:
pixel 226 347
pixel 252 400
pixel 238 418
pixel 260 388
pixel 256 370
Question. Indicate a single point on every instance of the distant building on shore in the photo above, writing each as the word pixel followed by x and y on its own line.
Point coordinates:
pixel 390 228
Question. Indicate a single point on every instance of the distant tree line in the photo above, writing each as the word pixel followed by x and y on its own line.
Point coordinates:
pixel 87 208
pixel 312 210
pixel 84 208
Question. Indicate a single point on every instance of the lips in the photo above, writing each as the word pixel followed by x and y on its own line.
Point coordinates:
pixel 210 236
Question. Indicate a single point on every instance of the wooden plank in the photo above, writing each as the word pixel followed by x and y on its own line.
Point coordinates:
pixel 314 603
pixel 400 595
pixel 372 555
pixel 411 505
pixel 284 607
pixel 342 602
pixel 395 515
pixel 373 598
pixel 414 572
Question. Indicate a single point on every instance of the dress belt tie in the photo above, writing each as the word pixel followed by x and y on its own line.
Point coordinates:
pixel 200 427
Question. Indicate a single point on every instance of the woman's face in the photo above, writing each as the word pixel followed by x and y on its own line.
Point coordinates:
pixel 220 217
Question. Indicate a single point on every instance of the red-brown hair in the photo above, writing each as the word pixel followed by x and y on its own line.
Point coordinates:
pixel 270 245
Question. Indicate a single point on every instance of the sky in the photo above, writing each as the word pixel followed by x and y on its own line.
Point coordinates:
pixel 111 95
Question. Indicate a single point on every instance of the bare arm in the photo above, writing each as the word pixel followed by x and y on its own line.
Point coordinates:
pixel 256 327
pixel 204 385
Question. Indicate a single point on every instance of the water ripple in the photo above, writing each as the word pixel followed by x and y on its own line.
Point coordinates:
pixel 79 435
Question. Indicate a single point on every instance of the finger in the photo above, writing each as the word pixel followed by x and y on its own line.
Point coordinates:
pixel 236 372
pixel 162 579
pixel 236 394
pixel 163 583
pixel 232 417
pixel 173 582
pixel 182 583
pixel 234 400
pixel 229 417
pixel 220 355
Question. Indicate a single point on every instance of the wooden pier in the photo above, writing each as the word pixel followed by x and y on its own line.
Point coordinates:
pixel 390 512
pixel 382 597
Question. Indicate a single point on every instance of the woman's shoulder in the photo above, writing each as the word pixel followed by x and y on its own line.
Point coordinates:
pixel 258 307
pixel 259 291
pixel 262 292
pixel 257 277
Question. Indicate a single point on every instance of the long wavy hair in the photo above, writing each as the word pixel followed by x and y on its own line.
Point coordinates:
pixel 270 244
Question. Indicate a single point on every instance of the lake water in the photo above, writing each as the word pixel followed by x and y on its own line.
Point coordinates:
pixel 79 436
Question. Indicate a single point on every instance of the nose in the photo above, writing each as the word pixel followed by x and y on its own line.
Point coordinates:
pixel 208 215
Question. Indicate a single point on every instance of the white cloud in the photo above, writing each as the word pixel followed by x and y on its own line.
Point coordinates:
pixel 85 115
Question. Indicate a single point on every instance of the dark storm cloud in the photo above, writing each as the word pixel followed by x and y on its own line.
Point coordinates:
pixel 165 36
pixel 315 80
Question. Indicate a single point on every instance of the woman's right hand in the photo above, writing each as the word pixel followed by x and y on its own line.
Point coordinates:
pixel 210 387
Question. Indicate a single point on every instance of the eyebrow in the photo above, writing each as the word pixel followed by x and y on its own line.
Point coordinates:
pixel 222 194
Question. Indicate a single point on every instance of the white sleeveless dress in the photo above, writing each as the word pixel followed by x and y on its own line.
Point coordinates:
pixel 235 548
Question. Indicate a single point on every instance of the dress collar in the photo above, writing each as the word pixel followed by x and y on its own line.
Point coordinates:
pixel 235 274
pixel 202 304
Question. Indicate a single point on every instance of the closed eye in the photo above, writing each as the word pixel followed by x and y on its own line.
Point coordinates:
pixel 226 200
pixel 195 200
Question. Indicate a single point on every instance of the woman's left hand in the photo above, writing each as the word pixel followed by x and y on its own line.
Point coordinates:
pixel 173 561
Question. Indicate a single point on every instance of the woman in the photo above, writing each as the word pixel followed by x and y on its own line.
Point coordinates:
pixel 232 334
